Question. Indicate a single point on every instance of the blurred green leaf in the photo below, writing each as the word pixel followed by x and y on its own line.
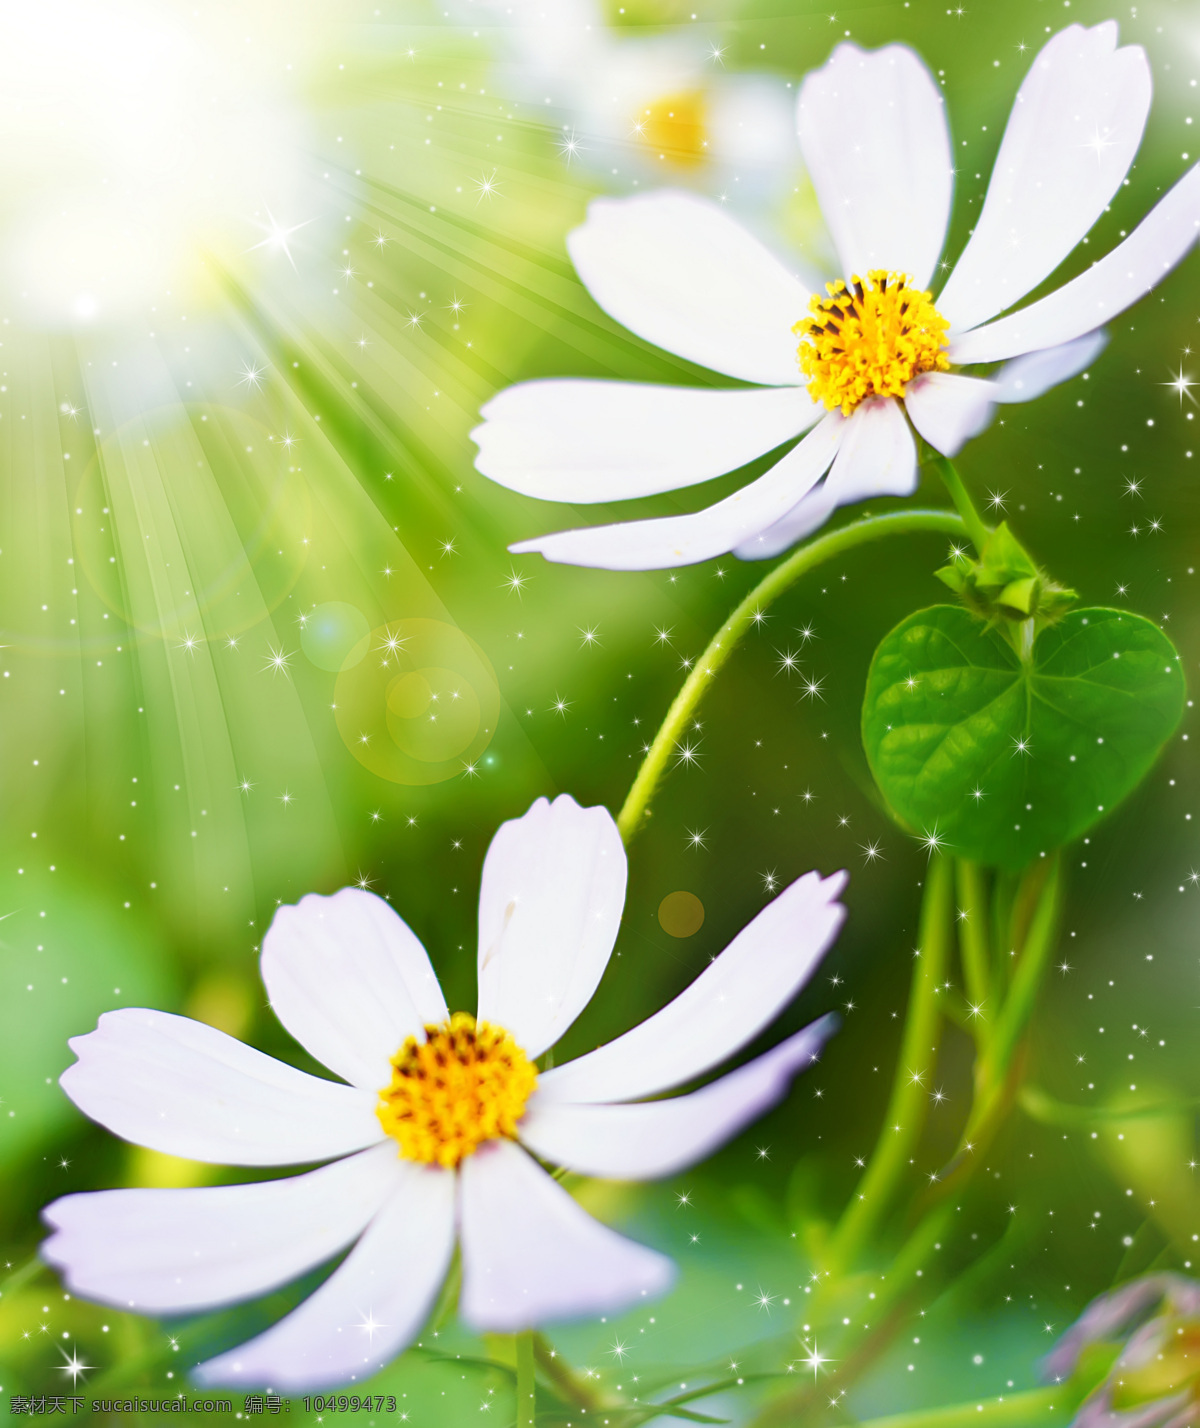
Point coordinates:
pixel 69 952
pixel 1004 758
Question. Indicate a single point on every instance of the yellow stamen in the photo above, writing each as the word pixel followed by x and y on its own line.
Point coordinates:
pixel 462 1085
pixel 869 341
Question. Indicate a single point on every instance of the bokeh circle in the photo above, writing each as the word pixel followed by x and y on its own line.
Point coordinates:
pixel 416 701
pixel 334 633
pixel 681 914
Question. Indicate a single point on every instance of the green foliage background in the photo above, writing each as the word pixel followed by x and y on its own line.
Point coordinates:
pixel 166 518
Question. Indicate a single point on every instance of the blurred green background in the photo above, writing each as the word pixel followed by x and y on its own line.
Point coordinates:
pixel 214 503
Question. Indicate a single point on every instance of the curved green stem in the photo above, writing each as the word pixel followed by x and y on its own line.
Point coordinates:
pixel 975 525
pixel 727 638
pixel 914 1068
pixel 973 945
pixel 1021 1410
pixel 526 1381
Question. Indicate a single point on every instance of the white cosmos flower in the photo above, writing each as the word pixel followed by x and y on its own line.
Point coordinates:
pixel 650 106
pixel 682 274
pixel 353 985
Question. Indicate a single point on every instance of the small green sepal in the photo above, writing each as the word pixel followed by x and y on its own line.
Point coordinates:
pixel 1005 585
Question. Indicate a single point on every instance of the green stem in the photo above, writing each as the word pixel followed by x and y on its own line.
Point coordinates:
pixel 973 943
pixel 727 638
pixel 24 1274
pixel 999 1068
pixel 910 1088
pixel 977 528
pixel 570 1385
pixel 897 1291
pixel 1023 1410
pixel 526 1381
pixel 1026 980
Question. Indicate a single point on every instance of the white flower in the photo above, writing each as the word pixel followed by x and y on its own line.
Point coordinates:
pixel 656 105
pixel 682 274
pixel 432 1156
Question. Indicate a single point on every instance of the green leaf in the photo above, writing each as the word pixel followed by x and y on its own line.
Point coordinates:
pixel 1006 759
pixel 69 950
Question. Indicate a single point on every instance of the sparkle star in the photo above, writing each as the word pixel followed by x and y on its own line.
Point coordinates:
pixel 370 1326
pixel 569 147
pixel 815 1360
pixel 391 644
pixel 486 186
pixel 277 237
pixel 278 660
pixel 1098 143
pixel 1182 384
pixel 73 1366
pixel 251 376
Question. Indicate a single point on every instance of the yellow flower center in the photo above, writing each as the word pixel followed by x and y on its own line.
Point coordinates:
pixel 869 341
pixel 464 1084
pixel 675 127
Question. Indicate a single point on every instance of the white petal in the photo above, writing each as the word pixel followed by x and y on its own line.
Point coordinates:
pixel 877 457
pixel 1027 377
pixel 948 409
pixel 655 1138
pixel 727 1005
pixel 808 514
pixel 350 982
pixel 1074 129
pixel 686 540
pixel 751 121
pixel 372 1306
pixel 532 1255
pixel 549 908
pixel 873 133
pixel 678 271
pixel 1106 289
pixel 175 1251
pixel 184 1088
pixel 567 440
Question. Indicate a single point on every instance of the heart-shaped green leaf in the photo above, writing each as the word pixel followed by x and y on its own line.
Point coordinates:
pixel 1005 759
